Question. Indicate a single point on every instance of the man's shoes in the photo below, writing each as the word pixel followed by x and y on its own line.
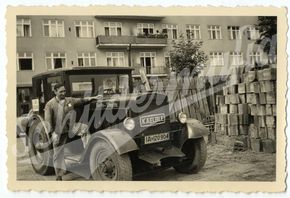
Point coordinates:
pixel 58 178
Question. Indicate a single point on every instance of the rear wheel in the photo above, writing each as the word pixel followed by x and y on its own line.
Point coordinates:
pixel 107 164
pixel 196 152
pixel 40 152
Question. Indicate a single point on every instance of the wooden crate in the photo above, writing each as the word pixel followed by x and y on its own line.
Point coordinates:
pixel 267 86
pixel 244 119
pixel 233 89
pixel 271 132
pixel 263 133
pixel 253 131
pixel 270 121
pixel 233 119
pixel 242 98
pixel 260 76
pixel 255 87
pixel 233 108
pixel 256 145
pixel 242 88
pixel 243 129
pixel 224 119
pixel 234 99
pixel 253 98
pixel 271 98
pixel 227 99
pixel 224 109
pixel 262 121
pixel 262 98
pixel 250 76
pixel 225 91
pixel 269 74
pixel 243 108
pixel 224 129
pixel 261 110
pixel 268 146
pixel 253 109
pixel 268 109
pixel 233 130
pixel 234 79
pixel 274 110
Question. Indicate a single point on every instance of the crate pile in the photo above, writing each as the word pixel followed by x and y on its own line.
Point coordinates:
pixel 247 109
pixel 188 95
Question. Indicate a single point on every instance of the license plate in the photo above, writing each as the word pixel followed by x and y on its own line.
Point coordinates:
pixel 150 139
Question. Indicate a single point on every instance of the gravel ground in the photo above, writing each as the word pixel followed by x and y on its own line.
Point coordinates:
pixel 222 165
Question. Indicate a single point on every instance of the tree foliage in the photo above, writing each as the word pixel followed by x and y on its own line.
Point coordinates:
pixel 187 54
pixel 267 26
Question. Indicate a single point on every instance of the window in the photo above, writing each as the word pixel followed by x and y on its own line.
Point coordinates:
pixel 53 28
pixel 167 60
pixel 84 29
pixel 115 58
pixel 215 32
pixel 113 29
pixel 253 33
pixel 23 100
pixel 25 61
pixel 234 32
pixel 255 58
pixel 23 27
pixel 236 58
pixel 147 60
pixel 193 32
pixel 97 83
pixel 55 60
pixel 87 59
pixel 145 28
pixel 216 58
pixel 170 30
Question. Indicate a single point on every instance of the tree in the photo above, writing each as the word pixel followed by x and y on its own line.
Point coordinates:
pixel 267 26
pixel 187 54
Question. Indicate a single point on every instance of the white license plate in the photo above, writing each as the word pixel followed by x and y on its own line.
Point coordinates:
pixel 150 139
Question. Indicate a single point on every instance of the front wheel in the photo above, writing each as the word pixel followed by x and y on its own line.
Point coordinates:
pixel 196 153
pixel 106 164
pixel 40 152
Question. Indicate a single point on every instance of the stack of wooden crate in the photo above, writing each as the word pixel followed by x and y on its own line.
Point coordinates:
pixel 247 108
pixel 188 95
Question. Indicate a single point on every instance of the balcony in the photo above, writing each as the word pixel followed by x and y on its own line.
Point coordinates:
pixel 150 41
pixel 153 71
pixel 130 17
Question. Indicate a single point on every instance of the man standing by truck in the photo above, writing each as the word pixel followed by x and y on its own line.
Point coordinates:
pixel 57 112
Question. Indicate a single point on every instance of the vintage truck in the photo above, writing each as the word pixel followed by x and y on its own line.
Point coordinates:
pixel 131 133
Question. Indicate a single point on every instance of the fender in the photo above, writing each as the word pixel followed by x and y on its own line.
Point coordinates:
pixel 192 129
pixel 119 139
pixel 195 129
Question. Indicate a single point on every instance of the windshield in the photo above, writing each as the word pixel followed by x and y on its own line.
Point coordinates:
pixel 99 84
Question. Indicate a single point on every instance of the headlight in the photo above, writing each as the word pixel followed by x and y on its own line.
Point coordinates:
pixel 129 124
pixel 182 117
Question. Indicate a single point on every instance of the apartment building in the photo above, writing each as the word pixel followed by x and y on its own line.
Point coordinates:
pixel 52 42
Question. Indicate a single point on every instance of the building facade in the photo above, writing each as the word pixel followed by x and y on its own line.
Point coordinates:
pixel 52 42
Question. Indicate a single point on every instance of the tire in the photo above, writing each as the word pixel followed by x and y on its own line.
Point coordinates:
pixel 196 152
pixel 41 159
pixel 106 164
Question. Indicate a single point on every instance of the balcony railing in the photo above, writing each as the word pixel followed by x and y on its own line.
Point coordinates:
pixel 157 70
pixel 135 41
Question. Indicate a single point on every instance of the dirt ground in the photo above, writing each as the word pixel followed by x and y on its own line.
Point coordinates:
pixel 222 165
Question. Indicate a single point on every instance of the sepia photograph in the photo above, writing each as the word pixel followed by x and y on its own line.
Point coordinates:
pixel 149 97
